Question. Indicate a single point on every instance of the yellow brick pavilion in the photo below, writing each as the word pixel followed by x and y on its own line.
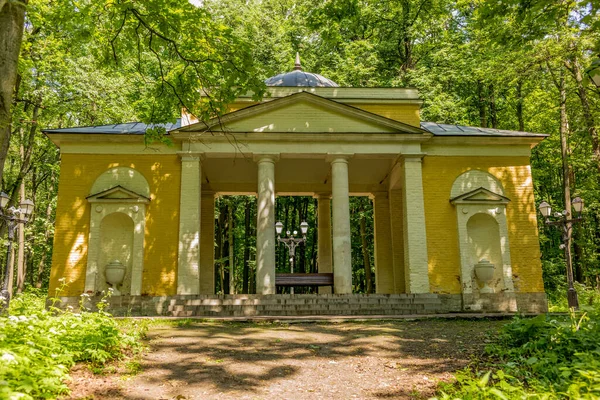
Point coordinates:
pixel 447 201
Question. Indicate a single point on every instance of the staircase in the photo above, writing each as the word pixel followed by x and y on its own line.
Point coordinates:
pixel 283 305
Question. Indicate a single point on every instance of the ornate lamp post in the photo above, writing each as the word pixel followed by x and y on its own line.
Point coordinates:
pixel 291 242
pixel 12 216
pixel 563 219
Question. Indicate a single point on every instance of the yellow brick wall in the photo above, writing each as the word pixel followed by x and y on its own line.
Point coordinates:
pixel 514 173
pixel 407 113
pixel 78 173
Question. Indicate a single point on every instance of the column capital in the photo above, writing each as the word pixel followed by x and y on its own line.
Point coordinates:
pixel 338 157
pixel 418 157
pixel 266 157
pixel 191 155
pixel 322 195
pixel 381 195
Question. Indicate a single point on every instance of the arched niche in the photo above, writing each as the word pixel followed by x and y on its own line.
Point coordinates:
pixel 485 244
pixel 116 243
pixel 482 229
pixel 117 224
pixel 474 179
pixel 127 178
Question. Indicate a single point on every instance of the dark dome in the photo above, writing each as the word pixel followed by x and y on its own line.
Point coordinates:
pixel 300 78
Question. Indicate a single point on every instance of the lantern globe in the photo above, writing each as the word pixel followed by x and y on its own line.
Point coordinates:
pixel 304 227
pixel 279 227
pixel 545 209
pixel 577 204
pixel 4 199
pixel 27 207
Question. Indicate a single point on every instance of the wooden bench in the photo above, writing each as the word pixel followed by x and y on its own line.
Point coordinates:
pixel 325 279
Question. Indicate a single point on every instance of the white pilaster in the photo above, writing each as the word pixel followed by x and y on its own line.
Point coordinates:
pixel 207 243
pixel 265 225
pixel 396 206
pixel 384 262
pixel 340 196
pixel 415 237
pixel 188 279
pixel 324 256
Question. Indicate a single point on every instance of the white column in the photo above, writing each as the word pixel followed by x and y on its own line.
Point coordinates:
pixel 188 280
pixel 415 236
pixel 324 257
pixel 265 225
pixel 340 196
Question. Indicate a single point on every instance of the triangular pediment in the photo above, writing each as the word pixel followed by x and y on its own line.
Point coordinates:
pixel 480 196
pixel 117 194
pixel 303 113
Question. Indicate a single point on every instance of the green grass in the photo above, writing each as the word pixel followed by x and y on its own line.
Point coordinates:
pixel 38 346
pixel 546 357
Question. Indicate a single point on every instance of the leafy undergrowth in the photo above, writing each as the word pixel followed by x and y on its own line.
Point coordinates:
pixel 546 357
pixel 589 299
pixel 38 346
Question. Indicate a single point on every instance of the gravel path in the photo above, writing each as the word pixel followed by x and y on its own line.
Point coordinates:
pixel 361 360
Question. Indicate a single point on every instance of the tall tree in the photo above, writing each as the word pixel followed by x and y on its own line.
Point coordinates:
pixel 12 20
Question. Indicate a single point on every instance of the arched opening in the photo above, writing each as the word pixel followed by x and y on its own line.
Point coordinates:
pixel 116 244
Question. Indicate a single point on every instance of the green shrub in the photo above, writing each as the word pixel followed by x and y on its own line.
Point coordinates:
pixel 589 298
pixel 39 346
pixel 536 358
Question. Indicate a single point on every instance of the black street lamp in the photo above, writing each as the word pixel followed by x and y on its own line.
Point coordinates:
pixel 12 216
pixel 291 242
pixel 563 219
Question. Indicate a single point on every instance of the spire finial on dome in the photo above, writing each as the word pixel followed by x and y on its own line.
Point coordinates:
pixel 298 66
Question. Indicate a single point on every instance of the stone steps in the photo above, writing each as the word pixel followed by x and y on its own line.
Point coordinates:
pixel 293 305
pixel 274 305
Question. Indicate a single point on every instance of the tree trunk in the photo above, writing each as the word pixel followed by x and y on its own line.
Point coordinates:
pixel 481 104
pixel 246 267
pixel 578 271
pixel 219 251
pixel 564 127
pixel 588 116
pixel 11 270
pixel 42 263
pixel 313 248
pixel 27 147
pixel 520 106
pixel 493 113
pixel 12 20
pixel 21 241
pixel 365 251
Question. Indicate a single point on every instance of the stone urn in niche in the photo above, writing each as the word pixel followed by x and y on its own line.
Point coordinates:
pixel 115 273
pixel 484 272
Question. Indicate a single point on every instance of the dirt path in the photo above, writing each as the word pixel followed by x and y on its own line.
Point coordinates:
pixel 368 360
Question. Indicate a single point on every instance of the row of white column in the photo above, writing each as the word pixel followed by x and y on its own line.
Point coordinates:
pixel 265 237
pixel 334 239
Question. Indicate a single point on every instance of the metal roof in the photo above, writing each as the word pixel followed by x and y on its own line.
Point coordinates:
pixel 139 128
pixel 297 77
pixel 461 130
pixel 129 128
pixel 300 78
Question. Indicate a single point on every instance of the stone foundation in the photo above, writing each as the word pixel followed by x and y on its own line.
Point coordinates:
pixel 309 304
